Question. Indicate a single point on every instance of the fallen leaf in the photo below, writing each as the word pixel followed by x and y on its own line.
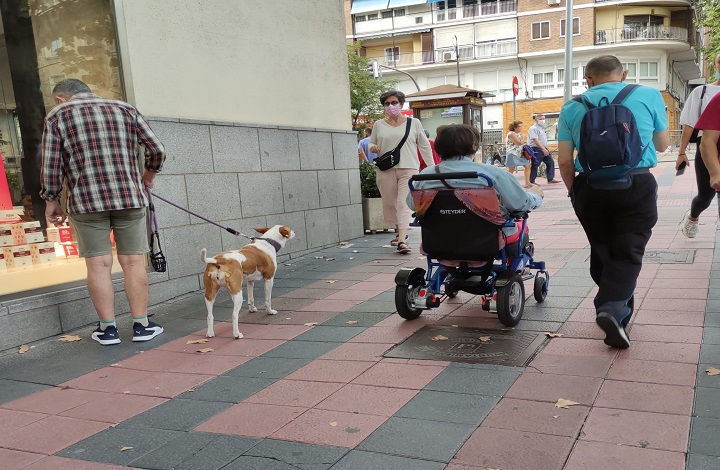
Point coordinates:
pixel 198 341
pixel 355 251
pixel 191 390
pixel 333 424
pixel 712 371
pixel 288 318
pixel 117 364
pixel 484 338
pixel 205 350
pixel 387 246
pixel 330 259
pixel 351 257
pixel 563 403
pixel 69 338
pixel 343 243
pixel 319 257
pixel 113 425
pixel 126 392
pixel 23 349
pixel 439 338
pixel 376 262
pixel 454 326
pixel 331 281
pixel 123 449
pixel 556 416
pixel 553 335
pixel 421 257
pixel 351 322
pixel 311 324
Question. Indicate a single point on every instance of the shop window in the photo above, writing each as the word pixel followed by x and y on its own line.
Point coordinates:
pixel 576 27
pixel 541 30
pixel 49 40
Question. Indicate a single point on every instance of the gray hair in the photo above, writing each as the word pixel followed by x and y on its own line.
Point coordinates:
pixel 70 87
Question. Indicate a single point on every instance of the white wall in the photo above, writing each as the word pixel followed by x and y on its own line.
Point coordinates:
pixel 276 63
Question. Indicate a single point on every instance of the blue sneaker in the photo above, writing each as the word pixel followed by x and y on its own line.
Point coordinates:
pixel 146 333
pixel 107 336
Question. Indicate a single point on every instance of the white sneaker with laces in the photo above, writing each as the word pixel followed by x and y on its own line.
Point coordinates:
pixel 689 227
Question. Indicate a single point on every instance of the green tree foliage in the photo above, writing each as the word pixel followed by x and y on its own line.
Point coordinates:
pixel 365 90
pixel 709 13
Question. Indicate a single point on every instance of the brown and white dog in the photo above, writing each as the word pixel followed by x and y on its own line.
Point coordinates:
pixel 253 262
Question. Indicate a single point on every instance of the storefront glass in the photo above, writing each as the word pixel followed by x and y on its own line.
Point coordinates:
pixel 41 43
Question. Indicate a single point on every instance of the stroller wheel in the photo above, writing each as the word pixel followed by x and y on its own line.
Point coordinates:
pixel 404 303
pixel 540 289
pixel 511 301
pixel 451 294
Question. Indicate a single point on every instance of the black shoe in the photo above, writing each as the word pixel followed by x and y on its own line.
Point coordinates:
pixel 107 336
pixel 146 333
pixel 615 335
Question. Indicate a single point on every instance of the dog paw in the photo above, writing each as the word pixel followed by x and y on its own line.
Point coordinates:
pixel 272 312
pixel 252 309
pixel 210 334
pixel 238 335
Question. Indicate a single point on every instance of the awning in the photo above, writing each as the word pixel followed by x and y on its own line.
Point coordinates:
pixel 387 35
pixel 405 3
pixel 434 1
pixel 363 6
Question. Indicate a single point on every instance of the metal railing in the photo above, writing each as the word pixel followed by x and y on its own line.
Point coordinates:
pixel 483 50
pixel 651 32
pixel 432 17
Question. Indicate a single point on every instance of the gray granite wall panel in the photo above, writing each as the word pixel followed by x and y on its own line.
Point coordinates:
pixel 300 190
pixel 279 150
pixel 215 196
pixel 322 227
pixel 316 151
pixel 235 149
pixel 261 194
pixel 187 147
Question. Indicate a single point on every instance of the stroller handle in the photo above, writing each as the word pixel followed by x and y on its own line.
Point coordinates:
pixel 450 176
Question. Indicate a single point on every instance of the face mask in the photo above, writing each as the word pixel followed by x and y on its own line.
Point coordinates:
pixel 393 110
pixel 541 122
pixel 717 75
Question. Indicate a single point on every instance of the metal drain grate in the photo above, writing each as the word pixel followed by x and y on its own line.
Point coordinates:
pixel 459 344
pixel 669 257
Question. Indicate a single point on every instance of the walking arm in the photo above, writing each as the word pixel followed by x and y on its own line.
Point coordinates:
pixel 565 160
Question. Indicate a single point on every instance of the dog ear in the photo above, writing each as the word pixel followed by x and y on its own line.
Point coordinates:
pixel 262 230
pixel 285 231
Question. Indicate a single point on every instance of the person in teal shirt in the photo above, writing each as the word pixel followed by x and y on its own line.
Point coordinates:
pixel 618 222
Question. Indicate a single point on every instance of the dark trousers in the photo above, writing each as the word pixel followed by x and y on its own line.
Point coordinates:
pixel 618 224
pixel 706 193
pixel 549 165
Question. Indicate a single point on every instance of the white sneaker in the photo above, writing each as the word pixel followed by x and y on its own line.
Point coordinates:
pixel 689 227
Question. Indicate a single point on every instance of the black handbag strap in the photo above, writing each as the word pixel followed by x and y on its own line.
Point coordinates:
pixel 407 133
pixel 437 170
pixel 702 95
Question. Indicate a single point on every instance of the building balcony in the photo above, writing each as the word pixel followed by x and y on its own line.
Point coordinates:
pixel 485 50
pixel 433 17
pixel 650 33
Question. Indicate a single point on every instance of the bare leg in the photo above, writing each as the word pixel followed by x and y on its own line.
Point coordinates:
pixel 527 175
pixel 136 283
pixel 237 305
pixel 251 296
pixel 511 169
pixel 268 296
pixel 100 286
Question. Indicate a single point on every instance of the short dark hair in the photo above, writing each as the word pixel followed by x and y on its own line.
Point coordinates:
pixel 457 141
pixel 70 87
pixel 602 66
pixel 398 94
pixel 368 131
pixel 513 125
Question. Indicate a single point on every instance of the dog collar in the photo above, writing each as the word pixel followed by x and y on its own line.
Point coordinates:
pixel 272 243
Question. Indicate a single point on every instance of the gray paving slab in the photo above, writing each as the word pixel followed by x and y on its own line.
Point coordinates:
pixel 374 306
pixel 45 368
pixel 388 296
pixel 302 349
pixel 228 389
pixel 710 353
pixel 702 462
pixel 196 450
pixel 532 325
pixel 292 283
pixel 305 456
pixel 563 280
pixel 268 367
pixel 495 367
pixel 106 446
pixel 417 438
pixel 299 273
pixel 359 459
pixel 12 389
pixel 178 414
pixel 560 302
pixel 707 402
pixel 704 380
pixel 448 407
pixel 705 436
pixel 220 313
pixel 333 334
pixel 473 381
pixel 362 319
pixel 536 313
pixel 711 335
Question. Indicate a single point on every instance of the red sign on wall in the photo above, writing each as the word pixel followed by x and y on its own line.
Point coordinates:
pixel 515 86
pixel 5 199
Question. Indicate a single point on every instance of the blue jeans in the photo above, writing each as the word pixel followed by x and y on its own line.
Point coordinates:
pixel 549 164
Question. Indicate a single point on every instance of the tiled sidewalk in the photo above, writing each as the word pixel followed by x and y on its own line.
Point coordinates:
pixel 309 388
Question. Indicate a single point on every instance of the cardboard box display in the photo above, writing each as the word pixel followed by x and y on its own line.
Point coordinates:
pixel 3 266
pixel 11 216
pixel 71 249
pixel 6 237
pixel 59 234
pixel 18 256
pixel 27 232
pixel 42 253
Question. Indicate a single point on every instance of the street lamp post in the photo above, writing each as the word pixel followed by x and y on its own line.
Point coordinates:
pixel 567 94
pixel 377 73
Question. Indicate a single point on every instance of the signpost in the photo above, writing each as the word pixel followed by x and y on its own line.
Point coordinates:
pixel 516 90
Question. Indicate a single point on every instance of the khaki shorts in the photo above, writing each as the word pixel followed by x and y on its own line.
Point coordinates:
pixel 129 227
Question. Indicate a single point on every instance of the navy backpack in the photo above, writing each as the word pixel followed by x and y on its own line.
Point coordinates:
pixel 610 144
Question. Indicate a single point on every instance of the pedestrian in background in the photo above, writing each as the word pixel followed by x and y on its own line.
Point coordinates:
pixel 514 151
pixel 695 105
pixel 709 123
pixel 364 153
pixel 435 156
pixel 537 139
pixel 618 214
pixel 393 182
pixel 89 144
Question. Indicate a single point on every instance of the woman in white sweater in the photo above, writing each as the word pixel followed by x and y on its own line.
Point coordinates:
pixel 393 183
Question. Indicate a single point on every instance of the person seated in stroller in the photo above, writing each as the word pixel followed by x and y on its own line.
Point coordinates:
pixel 456 145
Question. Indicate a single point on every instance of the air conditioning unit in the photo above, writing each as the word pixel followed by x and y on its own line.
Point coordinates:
pixel 419 20
pixel 449 55
pixel 553 2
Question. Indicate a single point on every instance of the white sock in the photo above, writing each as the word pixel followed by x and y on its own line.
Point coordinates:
pixel 142 320
pixel 105 324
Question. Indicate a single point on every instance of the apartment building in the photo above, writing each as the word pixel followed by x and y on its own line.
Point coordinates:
pixel 494 40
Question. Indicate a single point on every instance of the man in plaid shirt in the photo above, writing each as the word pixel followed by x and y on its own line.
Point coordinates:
pixel 90 144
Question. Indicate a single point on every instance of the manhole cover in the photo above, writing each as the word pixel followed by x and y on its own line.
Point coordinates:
pixel 458 344
pixel 567 222
pixel 669 257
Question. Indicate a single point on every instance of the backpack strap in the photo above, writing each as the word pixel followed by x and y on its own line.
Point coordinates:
pixel 584 101
pixel 624 93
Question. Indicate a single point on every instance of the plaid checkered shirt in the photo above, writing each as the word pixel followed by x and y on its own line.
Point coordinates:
pixel 91 143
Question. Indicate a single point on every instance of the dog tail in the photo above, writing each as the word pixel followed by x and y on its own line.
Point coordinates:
pixel 204 259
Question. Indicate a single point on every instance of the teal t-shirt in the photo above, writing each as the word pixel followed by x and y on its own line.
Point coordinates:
pixel 645 103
